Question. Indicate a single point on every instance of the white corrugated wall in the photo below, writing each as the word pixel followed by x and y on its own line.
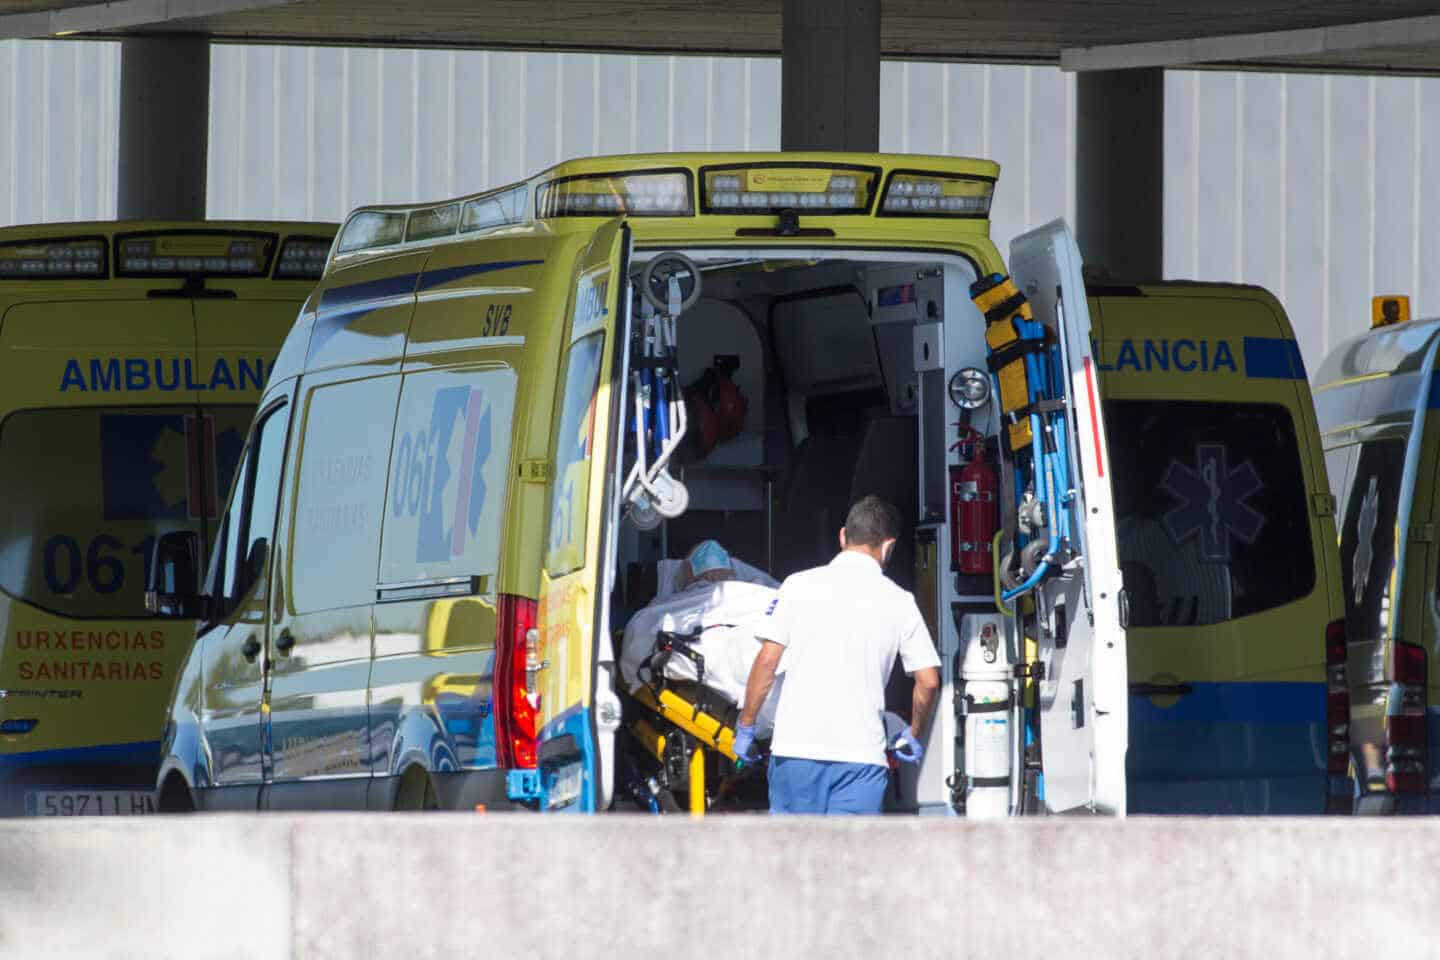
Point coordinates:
pixel 315 132
pixel 59 104
pixel 1317 187
pixel 1324 189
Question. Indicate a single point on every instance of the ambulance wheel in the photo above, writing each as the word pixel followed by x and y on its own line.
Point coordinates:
pixel 416 792
pixel 655 281
pixel 175 796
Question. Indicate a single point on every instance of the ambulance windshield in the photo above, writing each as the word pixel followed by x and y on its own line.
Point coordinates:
pixel 88 490
pixel 1212 518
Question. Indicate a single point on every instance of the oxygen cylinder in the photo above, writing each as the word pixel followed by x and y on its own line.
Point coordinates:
pixel 974 509
pixel 987 714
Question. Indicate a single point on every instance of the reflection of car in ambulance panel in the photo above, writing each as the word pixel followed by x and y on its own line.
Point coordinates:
pixel 1225 536
pixel 453 421
pixel 1377 402
pixel 132 357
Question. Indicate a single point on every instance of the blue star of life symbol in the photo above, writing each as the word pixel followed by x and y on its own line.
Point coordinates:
pixel 1212 502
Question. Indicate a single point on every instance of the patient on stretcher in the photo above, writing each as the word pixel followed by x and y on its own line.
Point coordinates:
pixel 724 599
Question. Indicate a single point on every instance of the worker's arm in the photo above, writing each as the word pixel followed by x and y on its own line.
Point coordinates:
pixel 762 678
pixel 927 685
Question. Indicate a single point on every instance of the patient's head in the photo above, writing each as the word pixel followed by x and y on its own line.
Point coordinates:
pixel 708 562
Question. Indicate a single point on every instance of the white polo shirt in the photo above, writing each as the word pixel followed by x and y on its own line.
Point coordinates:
pixel 841 625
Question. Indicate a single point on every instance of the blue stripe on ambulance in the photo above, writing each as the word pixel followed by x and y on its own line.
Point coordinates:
pixel 444 275
pixel 1273 358
pixel 145 752
pixel 1271 734
pixel 1265 358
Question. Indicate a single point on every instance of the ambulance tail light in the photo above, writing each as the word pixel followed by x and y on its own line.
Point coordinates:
pixel 1405 735
pixel 514 704
pixel 1337 701
pixel 919 194
pixel 807 189
pixel 302 258
pixel 59 259
pixel 659 193
pixel 179 253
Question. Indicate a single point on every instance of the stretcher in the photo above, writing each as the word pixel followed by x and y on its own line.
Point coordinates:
pixel 685 727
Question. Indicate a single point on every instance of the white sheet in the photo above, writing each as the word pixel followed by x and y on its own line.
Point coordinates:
pixel 729 611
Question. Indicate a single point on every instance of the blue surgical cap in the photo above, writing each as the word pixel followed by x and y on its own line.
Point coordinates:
pixel 707 556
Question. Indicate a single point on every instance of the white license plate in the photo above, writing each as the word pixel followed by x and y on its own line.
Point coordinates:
pixel 88 803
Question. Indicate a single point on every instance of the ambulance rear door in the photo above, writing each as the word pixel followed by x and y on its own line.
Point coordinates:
pixel 578 710
pixel 1079 631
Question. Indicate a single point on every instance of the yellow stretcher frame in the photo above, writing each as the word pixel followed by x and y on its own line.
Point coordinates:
pixel 707 730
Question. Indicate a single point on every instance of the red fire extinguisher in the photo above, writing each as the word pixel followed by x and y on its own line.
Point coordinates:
pixel 974 507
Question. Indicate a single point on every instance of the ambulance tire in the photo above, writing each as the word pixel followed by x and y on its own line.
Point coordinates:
pixel 175 796
pixel 416 792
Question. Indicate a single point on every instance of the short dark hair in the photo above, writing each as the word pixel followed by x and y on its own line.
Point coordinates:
pixel 872 521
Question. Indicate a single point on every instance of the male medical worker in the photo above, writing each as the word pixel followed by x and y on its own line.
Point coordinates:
pixel 838 629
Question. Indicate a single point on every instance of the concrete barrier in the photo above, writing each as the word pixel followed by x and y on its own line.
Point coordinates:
pixel 450 885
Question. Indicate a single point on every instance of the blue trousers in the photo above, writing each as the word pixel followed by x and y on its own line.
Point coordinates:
pixel 826 786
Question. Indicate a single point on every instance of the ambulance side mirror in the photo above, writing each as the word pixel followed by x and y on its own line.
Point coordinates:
pixel 173 586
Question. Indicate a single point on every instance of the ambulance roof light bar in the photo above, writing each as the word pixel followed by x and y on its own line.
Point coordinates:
pixel 643 193
pixel 189 253
pixel 67 258
pixel 806 188
pixel 303 258
pixel 923 193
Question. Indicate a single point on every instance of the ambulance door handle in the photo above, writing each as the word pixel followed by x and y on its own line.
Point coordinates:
pixel 251 649
pixel 285 642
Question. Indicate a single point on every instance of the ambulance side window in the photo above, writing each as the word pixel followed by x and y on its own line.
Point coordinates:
pixel 573 449
pixel 333 553
pixel 251 523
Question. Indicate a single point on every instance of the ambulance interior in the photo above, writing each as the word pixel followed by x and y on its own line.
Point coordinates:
pixel 844 367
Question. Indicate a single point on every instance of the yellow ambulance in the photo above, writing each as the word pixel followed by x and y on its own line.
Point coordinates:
pixel 501 419
pixel 1227 546
pixel 132 355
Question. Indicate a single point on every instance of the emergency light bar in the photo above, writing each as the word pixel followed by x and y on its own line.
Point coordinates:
pixel 916 193
pixel 302 258
pixel 198 253
pixel 770 188
pixel 61 259
pixel 651 193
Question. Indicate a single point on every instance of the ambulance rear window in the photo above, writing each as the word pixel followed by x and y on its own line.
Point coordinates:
pixel 1211 510
pixel 82 514
pixel 1368 476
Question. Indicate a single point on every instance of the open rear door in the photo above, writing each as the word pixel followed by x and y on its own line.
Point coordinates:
pixel 1080 636
pixel 578 710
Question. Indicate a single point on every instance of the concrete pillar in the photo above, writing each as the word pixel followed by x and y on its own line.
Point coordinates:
pixel 830 75
pixel 164 127
pixel 1120 167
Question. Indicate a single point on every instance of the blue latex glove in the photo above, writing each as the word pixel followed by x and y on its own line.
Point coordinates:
pixel 907 747
pixel 745 744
